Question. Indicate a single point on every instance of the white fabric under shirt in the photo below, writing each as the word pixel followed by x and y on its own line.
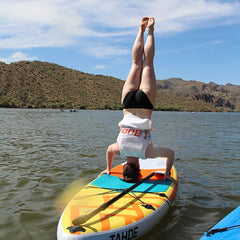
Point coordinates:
pixel 134 136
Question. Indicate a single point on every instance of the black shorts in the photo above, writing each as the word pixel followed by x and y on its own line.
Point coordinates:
pixel 137 99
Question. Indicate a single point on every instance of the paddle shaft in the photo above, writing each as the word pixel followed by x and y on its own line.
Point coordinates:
pixel 82 219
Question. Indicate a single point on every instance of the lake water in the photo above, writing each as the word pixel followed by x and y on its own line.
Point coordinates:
pixel 42 151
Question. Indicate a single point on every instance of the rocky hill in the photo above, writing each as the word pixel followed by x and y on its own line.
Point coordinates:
pixel 46 85
pixel 212 95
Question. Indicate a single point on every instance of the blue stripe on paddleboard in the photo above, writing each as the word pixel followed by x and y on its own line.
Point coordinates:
pixel 113 182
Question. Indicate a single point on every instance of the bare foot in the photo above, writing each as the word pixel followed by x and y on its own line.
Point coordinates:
pixel 144 23
pixel 151 22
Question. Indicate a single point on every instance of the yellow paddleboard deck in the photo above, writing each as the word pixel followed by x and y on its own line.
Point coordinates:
pixel 128 218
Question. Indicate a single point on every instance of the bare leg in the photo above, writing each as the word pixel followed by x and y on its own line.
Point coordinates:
pixel 148 82
pixel 134 77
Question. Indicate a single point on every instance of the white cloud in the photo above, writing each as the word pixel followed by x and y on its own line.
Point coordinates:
pixel 192 47
pixel 104 51
pixel 100 66
pixel 17 56
pixel 46 23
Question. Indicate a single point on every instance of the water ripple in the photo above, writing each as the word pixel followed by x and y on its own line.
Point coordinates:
pixel 42 151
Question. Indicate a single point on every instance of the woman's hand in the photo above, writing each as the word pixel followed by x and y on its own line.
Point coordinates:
pixel 167 177
pixel 103 172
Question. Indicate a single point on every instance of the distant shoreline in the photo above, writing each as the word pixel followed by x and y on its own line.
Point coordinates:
pixel 39 84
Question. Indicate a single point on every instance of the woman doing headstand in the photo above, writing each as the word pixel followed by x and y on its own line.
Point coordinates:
pixel 138 98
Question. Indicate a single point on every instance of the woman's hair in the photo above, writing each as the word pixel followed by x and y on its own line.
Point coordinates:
pixel 131 172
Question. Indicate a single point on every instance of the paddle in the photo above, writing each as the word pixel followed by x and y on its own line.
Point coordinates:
pixel 82 219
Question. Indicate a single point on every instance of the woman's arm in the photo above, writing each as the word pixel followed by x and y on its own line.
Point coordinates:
pixel 112 150
pixel 152 152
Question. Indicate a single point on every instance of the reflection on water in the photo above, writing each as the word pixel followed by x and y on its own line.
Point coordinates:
pixel 42 151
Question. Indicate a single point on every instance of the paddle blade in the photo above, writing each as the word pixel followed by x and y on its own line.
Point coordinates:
pixel 80 220
pixel 68 193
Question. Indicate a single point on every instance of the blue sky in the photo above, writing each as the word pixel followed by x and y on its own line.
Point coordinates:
pixel 195 39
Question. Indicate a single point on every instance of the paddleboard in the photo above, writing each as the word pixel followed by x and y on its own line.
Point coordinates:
pixel 129 217
pixel 227 228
